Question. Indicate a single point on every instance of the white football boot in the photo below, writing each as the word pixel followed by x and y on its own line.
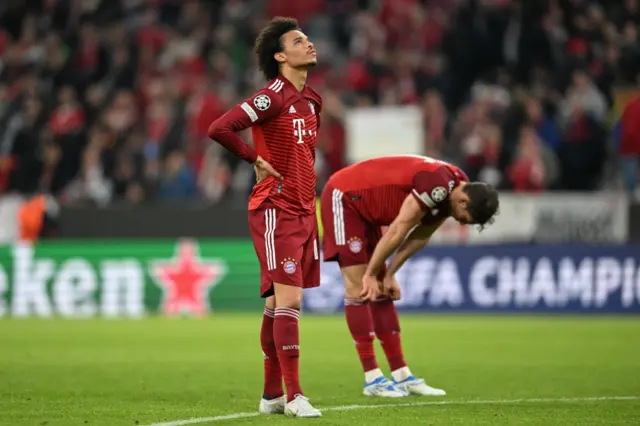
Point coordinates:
pixel 273 406
pixel 413 386
pixel 382 387
pixel 300 407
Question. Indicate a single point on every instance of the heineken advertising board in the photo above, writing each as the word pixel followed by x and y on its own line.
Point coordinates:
pixel 127 278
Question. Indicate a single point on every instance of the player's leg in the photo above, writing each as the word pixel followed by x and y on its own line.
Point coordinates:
pixel 387 328
pixel 290 239
pixel 343 241
pixel 359 321
pixel 352 258
pixel 273 398
pixel 361 327
pixel 287 338
pixel 286 335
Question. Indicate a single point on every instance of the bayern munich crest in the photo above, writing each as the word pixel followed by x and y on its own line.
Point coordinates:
pixel 355 245
pixel 289 265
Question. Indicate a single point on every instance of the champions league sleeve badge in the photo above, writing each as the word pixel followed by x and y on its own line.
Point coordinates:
pixel 439 194
pixel 262 102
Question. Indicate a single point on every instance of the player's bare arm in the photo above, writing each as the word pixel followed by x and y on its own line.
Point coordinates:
pixel 415 241
pixel 410 215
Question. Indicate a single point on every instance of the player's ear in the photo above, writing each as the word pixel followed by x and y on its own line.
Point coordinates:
pixel 280 57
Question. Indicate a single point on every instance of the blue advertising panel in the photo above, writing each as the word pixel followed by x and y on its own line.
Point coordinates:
pixel 579 279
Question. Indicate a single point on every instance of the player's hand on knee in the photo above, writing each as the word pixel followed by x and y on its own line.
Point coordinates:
pixel 370 288
pixel 391 288
pixel 264 170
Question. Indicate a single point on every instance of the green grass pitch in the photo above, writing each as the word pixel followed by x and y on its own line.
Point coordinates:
pixel 105 372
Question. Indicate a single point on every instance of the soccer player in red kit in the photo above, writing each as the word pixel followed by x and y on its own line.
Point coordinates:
pixel 284 119
pixel 412 195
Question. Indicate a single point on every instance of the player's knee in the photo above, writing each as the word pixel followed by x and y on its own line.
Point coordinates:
pixel 352 289
pixel 352 276
pixel 287 296
pixel 270 302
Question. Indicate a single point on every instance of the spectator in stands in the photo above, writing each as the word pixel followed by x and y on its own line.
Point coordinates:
pixel 91 183
pixel 177 181
pixel 436 121
pixel 21 149
pixel 535 166
pixel 630 145
pixel 545 127
pixel 583 97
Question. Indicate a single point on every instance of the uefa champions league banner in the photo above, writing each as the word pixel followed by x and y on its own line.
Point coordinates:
pixel 133 279
pixel 580 279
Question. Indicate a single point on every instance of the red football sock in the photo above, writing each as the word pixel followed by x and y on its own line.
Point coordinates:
pixel 361 327
pixel 387 326
pixel 285 331
pixel 272 372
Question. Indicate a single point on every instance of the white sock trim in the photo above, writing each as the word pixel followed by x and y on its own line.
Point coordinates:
pixel 401 374
pixel 371 375
pixel 287 312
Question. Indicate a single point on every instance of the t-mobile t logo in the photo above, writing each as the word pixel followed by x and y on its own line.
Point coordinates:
pixel 298 129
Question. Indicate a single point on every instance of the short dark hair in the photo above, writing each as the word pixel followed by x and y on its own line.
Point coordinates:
pixel 483 202
pixel 269 42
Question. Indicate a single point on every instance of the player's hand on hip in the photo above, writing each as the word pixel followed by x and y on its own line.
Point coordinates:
pixel 370 288
pixel 264 170
pixel 391 288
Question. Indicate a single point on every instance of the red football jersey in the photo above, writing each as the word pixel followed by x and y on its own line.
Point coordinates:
pixel 378 187
pixel 284 123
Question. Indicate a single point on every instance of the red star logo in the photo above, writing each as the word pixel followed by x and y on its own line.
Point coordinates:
pixel 186 279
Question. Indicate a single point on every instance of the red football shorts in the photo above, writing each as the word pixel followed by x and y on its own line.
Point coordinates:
pixel 287 248
pixel 347 238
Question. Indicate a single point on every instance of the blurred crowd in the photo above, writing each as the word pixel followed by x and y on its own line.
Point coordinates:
pixel 110 100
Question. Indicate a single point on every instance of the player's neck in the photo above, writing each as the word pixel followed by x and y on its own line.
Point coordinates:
pixel 297 77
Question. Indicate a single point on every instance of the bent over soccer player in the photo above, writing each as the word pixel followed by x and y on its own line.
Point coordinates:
pixel 284 117
pixel 413 195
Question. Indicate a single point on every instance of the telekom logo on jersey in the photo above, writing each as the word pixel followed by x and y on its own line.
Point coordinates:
pixel 299 129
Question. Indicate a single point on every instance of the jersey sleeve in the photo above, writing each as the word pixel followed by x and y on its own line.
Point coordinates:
pixel 261 107
pixel 317 102
pixel 431 189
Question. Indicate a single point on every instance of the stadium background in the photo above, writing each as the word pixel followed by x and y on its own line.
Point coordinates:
pixel 104 158
pixel 113 204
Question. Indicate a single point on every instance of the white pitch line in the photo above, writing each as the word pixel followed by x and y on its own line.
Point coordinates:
pixel 407 404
